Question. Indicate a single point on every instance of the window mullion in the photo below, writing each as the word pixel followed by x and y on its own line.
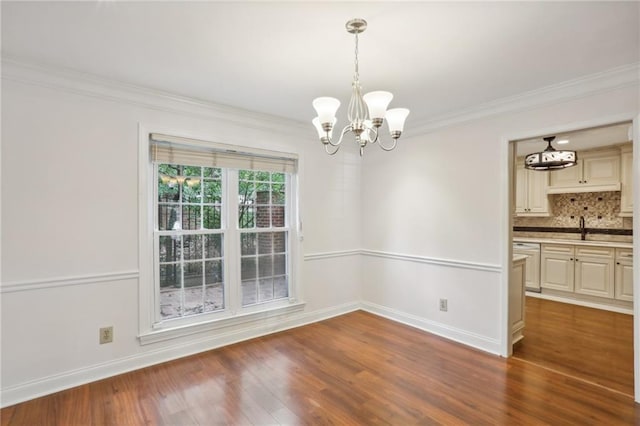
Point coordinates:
pixel 232 246
pixel 203 255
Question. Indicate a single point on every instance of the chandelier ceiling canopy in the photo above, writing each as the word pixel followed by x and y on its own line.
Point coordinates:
pixel 366 113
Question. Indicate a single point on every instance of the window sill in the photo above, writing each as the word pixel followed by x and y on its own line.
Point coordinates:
pixel 201 327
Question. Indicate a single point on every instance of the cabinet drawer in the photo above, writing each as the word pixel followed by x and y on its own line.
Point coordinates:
pixel 595 251
pixel 557 249
pixel 624 254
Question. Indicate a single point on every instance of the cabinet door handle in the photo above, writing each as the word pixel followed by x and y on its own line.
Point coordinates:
pixel 571 258
pixel 585 181
pixel 579 181
pixel 577 260
pixel 617 263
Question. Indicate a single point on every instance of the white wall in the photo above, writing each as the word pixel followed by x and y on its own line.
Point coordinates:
pixel 434 216
pixel 70 222
pixel 391 233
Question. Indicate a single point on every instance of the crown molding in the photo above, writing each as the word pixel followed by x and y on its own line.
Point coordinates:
pixel 68 80
pixel 612 79
pixel 25 71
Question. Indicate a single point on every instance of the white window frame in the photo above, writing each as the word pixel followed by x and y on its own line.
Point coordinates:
pixel 150 329
pixel 158 323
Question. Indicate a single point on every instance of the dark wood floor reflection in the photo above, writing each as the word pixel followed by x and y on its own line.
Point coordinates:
pixel 591 344
pixel 353 369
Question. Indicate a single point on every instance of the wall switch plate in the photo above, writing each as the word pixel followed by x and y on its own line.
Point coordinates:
pixel 106 335
pixel 443 305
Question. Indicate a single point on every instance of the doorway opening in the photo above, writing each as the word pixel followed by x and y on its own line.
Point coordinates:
pixel 574 225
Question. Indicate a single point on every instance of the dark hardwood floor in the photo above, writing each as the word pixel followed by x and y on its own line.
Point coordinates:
pixel 353 369
pixel 588 343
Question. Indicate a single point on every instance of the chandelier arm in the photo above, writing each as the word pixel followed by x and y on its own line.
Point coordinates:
pixel 377 138
pixel 395 142
pixel 346 130
pixel 326 148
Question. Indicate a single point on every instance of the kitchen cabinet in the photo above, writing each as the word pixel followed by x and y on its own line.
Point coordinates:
pixel 532 251
pixel 595 171
pixel 594 272
pixel 626 181
pixel 624 275
pixel 557 267
pixel 517 297
pixel 585 270
pixel 531 192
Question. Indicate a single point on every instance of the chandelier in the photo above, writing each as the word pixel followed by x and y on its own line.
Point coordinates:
pixel 366 113
pixel 550 158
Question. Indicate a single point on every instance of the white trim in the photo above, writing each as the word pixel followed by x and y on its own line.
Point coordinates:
pixel 476 266
pixel 601 306
pixel 25 391
pixel 477 341
pixel 332 254
pixel 195 328
pixel 27 285
pixel 636 253
pixel 25 71
pixel 146 218
pixel 612 79
pixel 507 206
pixel 589 188
pixel 487 267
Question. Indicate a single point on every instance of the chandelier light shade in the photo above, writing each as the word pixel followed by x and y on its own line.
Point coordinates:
pixel 550 158
pixel 366 113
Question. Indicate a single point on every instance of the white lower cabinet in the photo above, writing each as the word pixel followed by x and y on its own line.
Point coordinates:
pixel 517 299
pixel 624 275
pixel 557 267
pixel 583 270
pixel 594 274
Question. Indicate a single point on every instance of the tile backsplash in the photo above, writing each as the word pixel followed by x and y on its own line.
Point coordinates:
pixel 600 210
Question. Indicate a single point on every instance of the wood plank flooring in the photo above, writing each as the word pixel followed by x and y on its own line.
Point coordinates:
pixel 353 369
pixel 588 343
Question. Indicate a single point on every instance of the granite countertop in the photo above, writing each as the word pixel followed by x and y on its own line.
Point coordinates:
pixel 573 242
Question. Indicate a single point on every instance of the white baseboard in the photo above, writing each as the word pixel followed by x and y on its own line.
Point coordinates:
pixel 474 340
pixel 48 385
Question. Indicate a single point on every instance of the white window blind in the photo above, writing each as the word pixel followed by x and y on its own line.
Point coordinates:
pixel 178 150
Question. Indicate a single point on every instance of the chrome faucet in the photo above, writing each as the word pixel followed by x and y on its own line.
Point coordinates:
pixel 583 230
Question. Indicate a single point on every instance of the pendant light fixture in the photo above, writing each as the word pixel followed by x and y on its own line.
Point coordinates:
pixel 366 113
pixel 550 158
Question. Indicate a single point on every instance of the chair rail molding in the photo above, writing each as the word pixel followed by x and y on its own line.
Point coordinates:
pixel 55 282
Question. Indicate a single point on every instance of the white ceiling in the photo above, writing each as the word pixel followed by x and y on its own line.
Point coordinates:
pixel 276 57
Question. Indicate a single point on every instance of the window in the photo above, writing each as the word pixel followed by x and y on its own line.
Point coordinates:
pixel 263 236
pixel 222 241
pixel 189 240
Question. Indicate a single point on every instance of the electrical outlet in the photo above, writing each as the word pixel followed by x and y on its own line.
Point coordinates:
pixel 106 335
pixel 443 305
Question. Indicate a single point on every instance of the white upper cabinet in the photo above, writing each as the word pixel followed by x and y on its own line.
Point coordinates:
pixel 531 192
pixel 595 171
